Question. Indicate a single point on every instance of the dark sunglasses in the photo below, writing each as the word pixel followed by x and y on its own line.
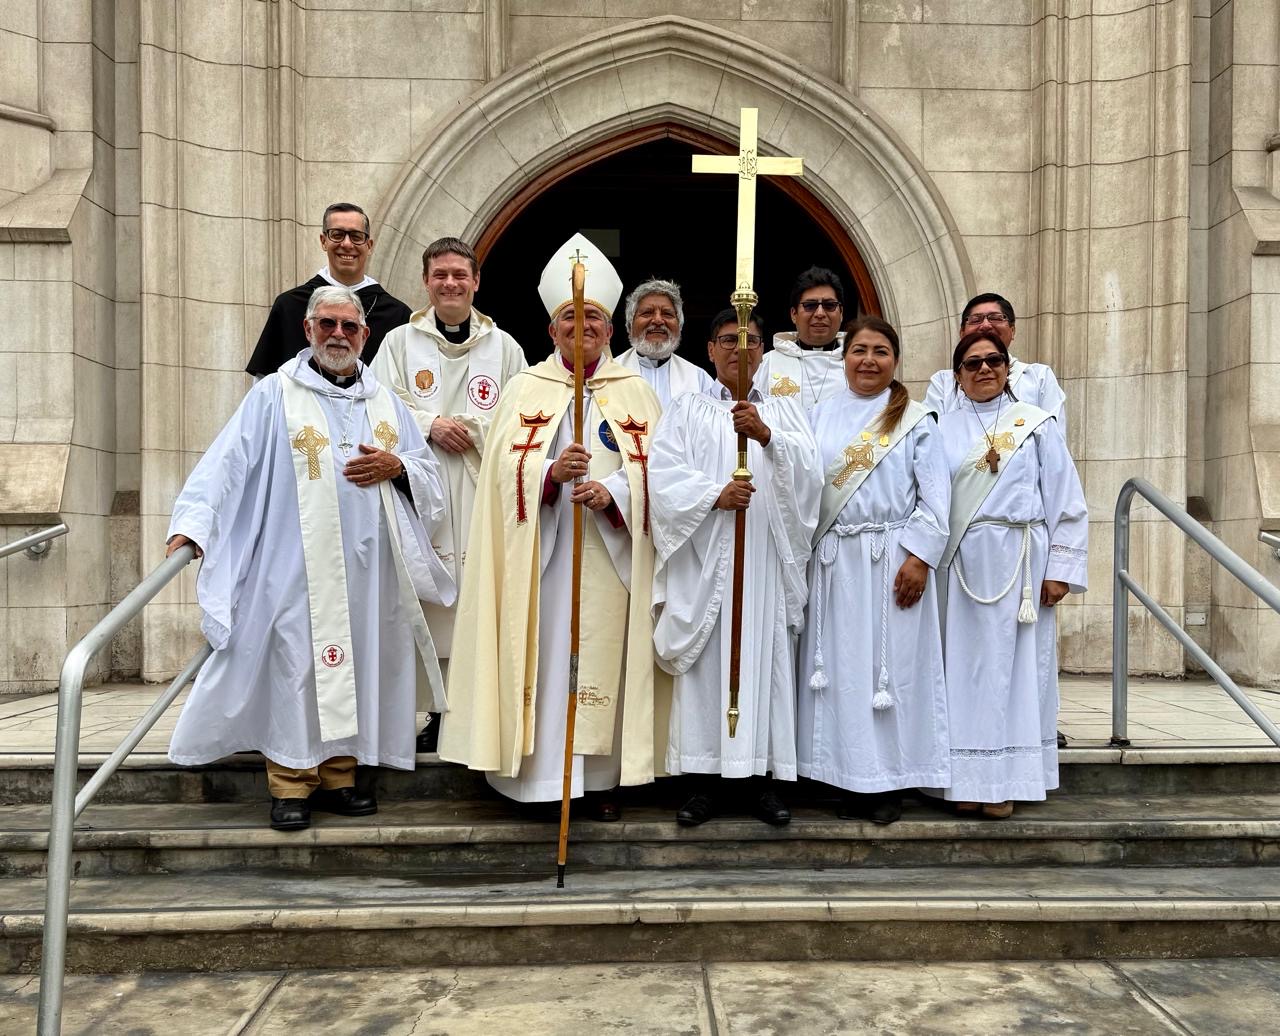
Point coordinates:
pixel 811 305
pixel 328 325
pixel 974 363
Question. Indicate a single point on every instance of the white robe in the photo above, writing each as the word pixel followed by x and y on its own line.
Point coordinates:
pixel 541 776
pixel 392 367
pixel 842 740
pixel 694 452
pixel 240 505
pixel 1036 384
pixel 821 370
pixel 1002 675
pixel 668 378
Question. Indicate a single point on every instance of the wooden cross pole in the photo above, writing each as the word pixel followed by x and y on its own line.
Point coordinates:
pixel 747 165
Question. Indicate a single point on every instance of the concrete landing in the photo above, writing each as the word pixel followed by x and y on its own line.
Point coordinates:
pixel 1131 997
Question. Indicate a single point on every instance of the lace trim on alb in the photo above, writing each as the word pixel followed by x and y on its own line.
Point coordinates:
pixel 995 753
pixel 1074 553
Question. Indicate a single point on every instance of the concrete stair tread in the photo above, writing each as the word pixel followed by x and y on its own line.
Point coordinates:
pixel 250 900
pixel 210 825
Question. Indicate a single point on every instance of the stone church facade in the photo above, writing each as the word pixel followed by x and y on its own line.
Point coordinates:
pixel 1109 165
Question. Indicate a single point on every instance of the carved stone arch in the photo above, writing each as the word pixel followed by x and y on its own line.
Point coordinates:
pixel 673 70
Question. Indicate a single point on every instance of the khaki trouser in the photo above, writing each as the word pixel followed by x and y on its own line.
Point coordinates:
pixel 284 782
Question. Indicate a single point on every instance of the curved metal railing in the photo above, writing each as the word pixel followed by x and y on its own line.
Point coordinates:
pixel 35 542
pixel 1125 584
pixel 66 805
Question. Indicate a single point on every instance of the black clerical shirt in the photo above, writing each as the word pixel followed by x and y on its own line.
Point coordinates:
pixel 283 336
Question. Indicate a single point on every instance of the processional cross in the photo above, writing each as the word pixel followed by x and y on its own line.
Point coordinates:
pixel 747 164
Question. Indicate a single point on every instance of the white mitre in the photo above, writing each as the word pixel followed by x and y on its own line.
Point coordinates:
pixel 603 286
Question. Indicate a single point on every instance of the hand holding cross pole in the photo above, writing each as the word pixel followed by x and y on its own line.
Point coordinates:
pixel 747 165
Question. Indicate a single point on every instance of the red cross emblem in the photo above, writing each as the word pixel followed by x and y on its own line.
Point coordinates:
pixel 638 430
pixel 332 655
pixel 533 424
pixel 483 391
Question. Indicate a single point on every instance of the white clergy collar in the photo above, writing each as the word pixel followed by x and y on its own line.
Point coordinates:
pixel 324 272
pixel 649 361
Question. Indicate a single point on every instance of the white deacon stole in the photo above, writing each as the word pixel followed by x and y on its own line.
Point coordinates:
pixel 972 485
pixel 323 551
pixel 484 369
pixel 844 476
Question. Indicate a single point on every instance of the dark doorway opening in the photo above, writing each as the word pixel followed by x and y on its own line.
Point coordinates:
pixel 641 204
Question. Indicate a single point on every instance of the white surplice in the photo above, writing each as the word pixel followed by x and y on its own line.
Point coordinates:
pixel 240 505
pixel 1033 383
pixel 541 776
pixel 670 377
pixel 806 375
pixel 694 453
pixel 1002 675
pixel 901 507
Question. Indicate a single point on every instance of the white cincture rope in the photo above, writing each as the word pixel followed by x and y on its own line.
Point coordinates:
pixel 1027 611
pixel 827 548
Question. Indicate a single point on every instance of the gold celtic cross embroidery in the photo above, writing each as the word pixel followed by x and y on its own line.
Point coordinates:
pixel 857 458
pixel 386 435
pixel 309 443
pixel 1002 442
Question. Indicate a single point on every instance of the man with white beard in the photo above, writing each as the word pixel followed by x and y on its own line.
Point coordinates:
pixel 655 319
pixel 317 552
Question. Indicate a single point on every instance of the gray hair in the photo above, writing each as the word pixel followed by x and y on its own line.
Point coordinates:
pixel 655 286
pixel 334 295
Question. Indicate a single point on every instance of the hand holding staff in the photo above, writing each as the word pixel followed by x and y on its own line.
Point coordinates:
pixel 575 614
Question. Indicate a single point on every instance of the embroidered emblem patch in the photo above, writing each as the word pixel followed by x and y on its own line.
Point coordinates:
pixel 424 384
pixel 1002 442
pixel 606 436
pixel 533 423
pixel 638 430
pixel 309 443
pixel 784 386
pixel 856 458
pixel 482 390
pixel 386 435
pixel 589 697
pixel 332 656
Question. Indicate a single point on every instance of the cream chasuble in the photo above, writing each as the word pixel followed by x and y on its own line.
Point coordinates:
pixel 494 691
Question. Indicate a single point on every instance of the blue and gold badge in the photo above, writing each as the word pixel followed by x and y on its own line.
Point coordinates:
pixel 606 436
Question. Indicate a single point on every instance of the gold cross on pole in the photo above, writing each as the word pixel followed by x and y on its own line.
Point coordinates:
pixel 747 165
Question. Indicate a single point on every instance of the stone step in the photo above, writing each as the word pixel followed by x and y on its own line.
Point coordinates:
pixel 26 779
pixel 253 920
pixel 488 836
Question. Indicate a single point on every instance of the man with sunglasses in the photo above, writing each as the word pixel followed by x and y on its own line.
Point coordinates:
pixel 1032 383
pixel 347 244
pixel 807 364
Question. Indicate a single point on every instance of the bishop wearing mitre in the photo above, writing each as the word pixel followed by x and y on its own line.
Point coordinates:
pixel 509 676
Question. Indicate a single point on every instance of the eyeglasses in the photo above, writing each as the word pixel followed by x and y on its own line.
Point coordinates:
pixel 994 319
pixel 731 341
pixel 336 234
pixel 328 325
pixel 974 363
pixel 828 305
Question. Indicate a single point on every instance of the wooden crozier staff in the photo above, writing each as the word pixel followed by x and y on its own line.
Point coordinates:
pixel 747 165
pixel 575 608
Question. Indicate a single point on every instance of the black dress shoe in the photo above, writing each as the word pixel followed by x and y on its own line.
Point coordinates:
pixel 772 810
pixel 879 809
pixel 603 806
pixel 346 802
pixel 429 737
pixel 1062 739
pixel 290 814
pixel 698 810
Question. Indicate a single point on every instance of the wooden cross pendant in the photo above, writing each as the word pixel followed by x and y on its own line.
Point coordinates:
pixel 993 460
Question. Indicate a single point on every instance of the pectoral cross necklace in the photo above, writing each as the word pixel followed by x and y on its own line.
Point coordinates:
pixel 992 456
pixel 345 444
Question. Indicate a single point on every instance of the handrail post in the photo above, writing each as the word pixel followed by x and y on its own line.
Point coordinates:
pixel 1120 621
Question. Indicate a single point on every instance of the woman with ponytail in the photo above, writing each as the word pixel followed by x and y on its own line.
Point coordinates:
pixel 872 716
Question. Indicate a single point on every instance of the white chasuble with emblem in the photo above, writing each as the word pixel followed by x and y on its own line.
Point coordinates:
pixel 464 382
pixel 507 684
pixel 872 706
pixel 310 584
pixel 807 376
pixel 1002 673
pixel 694 455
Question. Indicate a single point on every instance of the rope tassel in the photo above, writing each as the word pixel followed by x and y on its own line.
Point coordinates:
pixel 882 699
pixel 1027 611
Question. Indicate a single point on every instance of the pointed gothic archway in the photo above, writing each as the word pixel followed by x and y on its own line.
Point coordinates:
pixel 675 72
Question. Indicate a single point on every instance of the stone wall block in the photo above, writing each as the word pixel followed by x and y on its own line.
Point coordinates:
pixel 212 32
pixel 45 395
pixel 1255 29
pixel 1221 112
pixel 1118 195
pixel 38 312
pixel 95 410
pixel 987 203
pixel 907 56
pixel 1226 391
pixel 1110 407
pixel 21 17
pixel 1221 37
pixel 1169 273
pixel 1002 260
pixel 88 563
pixel 432 100
pixel 527 128
pixel 1264 393
pixel 212 258
pixel 1120 123
pixel 890 228
pixel 1172 90
pixel 38 582
pixel 170 636
pixel 1198 126
pixel 481 181
pixel 1264 323
pixel 212 101
pixel 409 44
pixel 926 348
pixel 338 126
pixel 161 426
pixel 160 252
pixel 946 149
pixel 852 174
pixel 1119 267
pixel 1168 345
pixel 212 180
pixel 1230 273
pixel 24 156
pixel 1123 45
pixel 1240 536
pixel 37 646
pixel 902 110
pixel 209 399
pixel 914 280
pixel 159 163
pixel 1078 116
pixel 1172 185
pixel 1255 100
pixel 1075 182
pixel 67 73
pixel 1234 638
pixel 18 56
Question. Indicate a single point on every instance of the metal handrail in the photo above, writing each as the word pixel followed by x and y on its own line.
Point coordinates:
pixel 66 805
pixel 34 541
pixel 1125 584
